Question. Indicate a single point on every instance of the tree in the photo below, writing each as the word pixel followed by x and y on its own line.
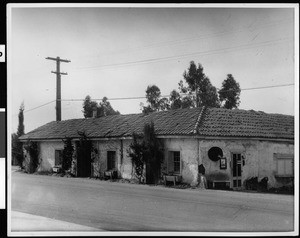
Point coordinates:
pixel 164 104
pixel 147 150
pixel 230 93
pixel 67 154
pixel 21 127
pixel 88 107
pixel 153 153
pixel 104 108
pixel 17 148
pixel 32 149
pixel 153 95
pixel 154 100
pixel 199 83
pixel 175 100
pixel 136 153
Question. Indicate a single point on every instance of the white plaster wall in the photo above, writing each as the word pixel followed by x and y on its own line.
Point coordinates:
pixel 47 154
pixel 189 157
pixel 127 168
pixel 188 150
pixel 212 168
pixel 268 163
pixel 123 163
pixel 259 159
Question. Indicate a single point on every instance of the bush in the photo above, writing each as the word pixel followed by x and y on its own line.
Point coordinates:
pixel 32 149
pixel 67 154
pixel 146 151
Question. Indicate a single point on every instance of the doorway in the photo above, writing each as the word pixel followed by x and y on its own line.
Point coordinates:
pixel 83 149
pixel 236 170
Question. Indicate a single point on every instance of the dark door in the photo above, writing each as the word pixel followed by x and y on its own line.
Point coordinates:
pixel 111 160
pixel 236 171
pixel 83 159
pixel 150 173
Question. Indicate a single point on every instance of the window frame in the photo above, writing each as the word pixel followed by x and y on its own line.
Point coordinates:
pixel 176 154
pixel 284 158
pixel 60 151
pixel 171 159
pixel 108 160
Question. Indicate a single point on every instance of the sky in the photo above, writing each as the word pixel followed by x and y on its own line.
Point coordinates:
pixel 118 51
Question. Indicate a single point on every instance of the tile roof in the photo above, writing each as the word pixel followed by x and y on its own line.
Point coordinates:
pixel 245 123
pixel 215 122
pixel 175 122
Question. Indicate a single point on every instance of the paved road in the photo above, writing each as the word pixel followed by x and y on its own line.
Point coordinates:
pixel 127 207
pixel 24 222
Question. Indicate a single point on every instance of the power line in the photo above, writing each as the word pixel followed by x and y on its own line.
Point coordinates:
pixel 205 36
pixel 39 106
pixel 143 97
pixel 272 86
pixel 208 52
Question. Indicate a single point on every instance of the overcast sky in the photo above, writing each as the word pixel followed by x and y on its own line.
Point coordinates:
pixel 118 52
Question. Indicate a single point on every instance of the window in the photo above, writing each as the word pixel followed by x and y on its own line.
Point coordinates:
pixel 176 156
pixel 111 160
pixel 58 157
pixel 174 163
pixel 285 165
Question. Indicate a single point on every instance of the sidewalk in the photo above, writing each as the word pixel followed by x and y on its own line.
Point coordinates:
pixel 27 222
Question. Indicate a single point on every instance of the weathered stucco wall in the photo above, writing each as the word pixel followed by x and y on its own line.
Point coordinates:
pixel 47 154
pixel 258 156
pixel 267 163
pixel 123 162
pixel 188 152
pixel 189 157
pixel 259 160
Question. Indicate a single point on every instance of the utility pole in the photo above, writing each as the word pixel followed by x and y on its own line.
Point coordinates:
pixel 58 84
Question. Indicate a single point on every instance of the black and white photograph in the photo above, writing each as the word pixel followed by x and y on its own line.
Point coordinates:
pixel 152 119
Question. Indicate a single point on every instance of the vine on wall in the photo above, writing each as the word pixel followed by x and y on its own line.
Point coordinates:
pixel 67 154
pixel 32 149
pixel 146 151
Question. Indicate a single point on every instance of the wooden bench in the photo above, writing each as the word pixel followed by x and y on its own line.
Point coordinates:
pixel 110 174
pixel 56 169
pixel 172 178
pixel 220 181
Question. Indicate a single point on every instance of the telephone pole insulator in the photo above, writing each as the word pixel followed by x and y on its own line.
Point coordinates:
pixel 58 84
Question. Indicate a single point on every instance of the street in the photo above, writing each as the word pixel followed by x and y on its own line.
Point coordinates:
pixel 115 206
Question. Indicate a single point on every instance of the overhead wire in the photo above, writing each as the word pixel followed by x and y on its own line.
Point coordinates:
pixel 39 106
pixel 240 47
pixel 208 52
pixel 144 97
pixel 205 36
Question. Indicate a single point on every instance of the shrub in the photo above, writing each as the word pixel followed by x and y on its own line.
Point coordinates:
pixel 67 154
pixel 32 149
